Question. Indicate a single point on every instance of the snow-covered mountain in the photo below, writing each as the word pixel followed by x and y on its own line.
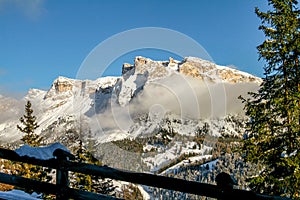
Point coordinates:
pixel 66 99
pixel 165 107
pixel 113 107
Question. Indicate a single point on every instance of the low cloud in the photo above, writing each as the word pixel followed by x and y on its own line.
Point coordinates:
pixel 10 109
pixel 192 98
pixel 7 91
pixel 186 97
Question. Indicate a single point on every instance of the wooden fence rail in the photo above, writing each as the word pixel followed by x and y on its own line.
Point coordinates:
pixel 63 164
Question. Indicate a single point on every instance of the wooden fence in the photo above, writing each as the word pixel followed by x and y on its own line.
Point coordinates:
pixel 63 164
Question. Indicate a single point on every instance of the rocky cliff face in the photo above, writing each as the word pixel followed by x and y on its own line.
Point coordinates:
pixel 63 85
pixel 59 86
pixel 193 67
pixel 199 69
pixel 145 71
pixel 153 69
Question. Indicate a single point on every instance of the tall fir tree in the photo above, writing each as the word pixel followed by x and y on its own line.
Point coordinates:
pixel 274 111
pixel 28 127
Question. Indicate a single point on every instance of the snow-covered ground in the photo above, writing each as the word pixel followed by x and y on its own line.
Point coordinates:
pixel 164 156
pixel 42 153
pixel 19 195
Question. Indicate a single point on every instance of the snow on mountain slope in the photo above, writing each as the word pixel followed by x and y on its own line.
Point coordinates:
pixel 112 107
pixel 66 97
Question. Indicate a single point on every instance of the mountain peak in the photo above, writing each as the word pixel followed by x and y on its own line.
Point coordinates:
pixel 189 66
pixel 60 85
pixel 63 84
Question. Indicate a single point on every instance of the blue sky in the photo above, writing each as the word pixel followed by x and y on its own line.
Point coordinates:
pixel 42 39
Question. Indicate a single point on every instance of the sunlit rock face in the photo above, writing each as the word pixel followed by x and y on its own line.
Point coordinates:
pixel 205 70
pixel 63 86
pixel 189 66
pixel 145 71
pixel 60 86
pixel 153 69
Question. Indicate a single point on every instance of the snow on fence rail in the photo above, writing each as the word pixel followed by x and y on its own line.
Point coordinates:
pixel 61 161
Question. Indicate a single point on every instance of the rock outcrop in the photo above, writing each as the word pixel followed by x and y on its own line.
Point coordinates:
pixel 190 66
pixel 154 69
pixel 208 71
pixel 145 70
pixel 62 85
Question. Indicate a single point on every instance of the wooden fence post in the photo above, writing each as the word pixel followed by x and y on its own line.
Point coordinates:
pixel 225 185
pixel 62 175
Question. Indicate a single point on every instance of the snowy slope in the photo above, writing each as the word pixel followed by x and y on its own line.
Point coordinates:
pixel 112 106
pixel 67 98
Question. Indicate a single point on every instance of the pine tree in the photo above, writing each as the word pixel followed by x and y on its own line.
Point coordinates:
pixel 274 110
pixel 29 124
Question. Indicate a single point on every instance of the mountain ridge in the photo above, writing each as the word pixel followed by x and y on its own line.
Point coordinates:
pixel 87 99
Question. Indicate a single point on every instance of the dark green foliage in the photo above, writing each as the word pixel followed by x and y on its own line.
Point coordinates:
pixel 163 137
pixel 129 145
pixel 274 130
pixel 28 126
pixel 232 164
pixel 87 182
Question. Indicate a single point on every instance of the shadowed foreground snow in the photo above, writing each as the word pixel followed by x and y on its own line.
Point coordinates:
pixel 19 195
pixel 42 153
